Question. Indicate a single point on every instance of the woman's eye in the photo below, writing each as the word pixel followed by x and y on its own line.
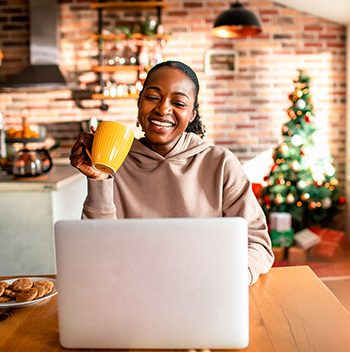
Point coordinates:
pixel 179 104
pixel 152 98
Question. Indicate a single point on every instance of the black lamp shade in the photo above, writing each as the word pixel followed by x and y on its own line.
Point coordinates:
pixel 236 22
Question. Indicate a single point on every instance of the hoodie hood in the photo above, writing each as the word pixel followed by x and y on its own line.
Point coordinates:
pixel 187 146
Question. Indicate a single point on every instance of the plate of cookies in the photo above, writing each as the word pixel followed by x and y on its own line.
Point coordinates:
pixel 26 291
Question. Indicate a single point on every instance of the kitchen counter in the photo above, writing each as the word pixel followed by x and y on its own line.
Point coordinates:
pixel 28 211
pixel 57 178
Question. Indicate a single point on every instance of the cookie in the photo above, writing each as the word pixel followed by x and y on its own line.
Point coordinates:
pixel 4 283
pixel 2 290
pixel 21 284
pixel 4 299
pixel 10 293
pixel 26 295
pixel 46 283
pixel 41 290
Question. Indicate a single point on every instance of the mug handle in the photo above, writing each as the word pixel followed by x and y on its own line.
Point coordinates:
pixel 87 150
pixel 88 153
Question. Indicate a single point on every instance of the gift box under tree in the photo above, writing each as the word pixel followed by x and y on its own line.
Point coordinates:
pixel 332 244
pixel 280 229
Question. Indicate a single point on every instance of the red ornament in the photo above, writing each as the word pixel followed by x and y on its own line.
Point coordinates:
pixel 309 118
pixel 341 200
pixel 312 205
pixel 318 183
pixel 274 167
pixel 267 200
pixel 305 151
pixel 281 181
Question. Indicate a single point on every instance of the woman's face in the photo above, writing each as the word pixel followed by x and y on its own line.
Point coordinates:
pixel 166 107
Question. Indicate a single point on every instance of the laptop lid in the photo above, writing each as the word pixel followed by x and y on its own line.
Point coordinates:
pixel 153 283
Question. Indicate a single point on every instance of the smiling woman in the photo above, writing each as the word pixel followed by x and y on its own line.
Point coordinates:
pixel 172 171
pixel 166 107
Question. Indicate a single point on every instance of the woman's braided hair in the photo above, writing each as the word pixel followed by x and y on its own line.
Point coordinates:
pixel 195 126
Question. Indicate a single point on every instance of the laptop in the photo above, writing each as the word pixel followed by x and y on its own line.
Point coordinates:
pixel 177 283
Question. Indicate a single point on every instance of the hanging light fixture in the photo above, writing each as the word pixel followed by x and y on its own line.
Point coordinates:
pixel 236 22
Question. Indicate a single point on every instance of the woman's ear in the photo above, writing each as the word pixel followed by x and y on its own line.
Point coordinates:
pixel 194 113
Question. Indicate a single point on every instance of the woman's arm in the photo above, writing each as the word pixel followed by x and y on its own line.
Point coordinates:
pixel 239 200
pixel 99 203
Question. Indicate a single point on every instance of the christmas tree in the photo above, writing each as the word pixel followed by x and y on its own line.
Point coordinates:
pixel 302 180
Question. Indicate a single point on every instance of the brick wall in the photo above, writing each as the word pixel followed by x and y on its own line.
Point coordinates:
pixel 243 111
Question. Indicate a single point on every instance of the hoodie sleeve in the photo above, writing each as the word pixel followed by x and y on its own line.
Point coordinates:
pixel 99 202
pixel 239 200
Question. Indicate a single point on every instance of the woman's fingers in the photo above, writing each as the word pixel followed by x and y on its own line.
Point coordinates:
pixel 85 140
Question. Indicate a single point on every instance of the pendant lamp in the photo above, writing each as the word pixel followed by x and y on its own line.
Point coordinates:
pixel 236 22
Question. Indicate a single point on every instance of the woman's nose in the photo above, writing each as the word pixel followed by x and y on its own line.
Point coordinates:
pixel 164 107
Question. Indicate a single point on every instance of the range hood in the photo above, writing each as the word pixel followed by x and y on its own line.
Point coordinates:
pixel 43 71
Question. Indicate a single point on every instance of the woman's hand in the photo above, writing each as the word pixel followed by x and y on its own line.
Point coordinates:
pixel 79 158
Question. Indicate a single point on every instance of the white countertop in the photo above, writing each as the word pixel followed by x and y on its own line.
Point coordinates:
pixel 58 177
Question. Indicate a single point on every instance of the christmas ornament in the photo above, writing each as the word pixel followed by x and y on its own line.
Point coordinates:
pixel 291 113
pixel 290 198
pixel 318 183
pixel 326 203
pixel 281 181
pixel 309 118
pixel 312 206
pixel 283 148
pixel 318 176
pixel 295 165
pixel 305 151
pixel 329 170
pixel 300 104
pixel 341 200
pixel 299 93
pixel 279 199
pixel 301 184
pixel 334 181
pixel 305 196
pixel 267 200
pixel 297 140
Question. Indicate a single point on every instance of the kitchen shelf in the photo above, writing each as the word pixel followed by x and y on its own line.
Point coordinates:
pixel 118 5
pixel 111 37
pixel 103 6
pixel 24 140
pixel 98 96
pixel 126 68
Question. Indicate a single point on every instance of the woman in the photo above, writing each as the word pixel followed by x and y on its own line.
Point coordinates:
pixel 172 171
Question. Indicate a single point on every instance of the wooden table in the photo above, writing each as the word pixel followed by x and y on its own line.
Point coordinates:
pixel 290 310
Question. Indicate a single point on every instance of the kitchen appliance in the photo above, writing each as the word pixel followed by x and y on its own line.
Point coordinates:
pixel 31 163
pixel 44 71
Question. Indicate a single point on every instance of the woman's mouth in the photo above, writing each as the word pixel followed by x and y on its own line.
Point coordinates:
pixel 162 124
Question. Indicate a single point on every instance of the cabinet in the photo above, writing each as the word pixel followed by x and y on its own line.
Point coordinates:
pixel 28 212
pixel 132 67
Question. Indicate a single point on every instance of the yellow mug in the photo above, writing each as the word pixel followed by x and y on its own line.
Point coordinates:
pixel 111 145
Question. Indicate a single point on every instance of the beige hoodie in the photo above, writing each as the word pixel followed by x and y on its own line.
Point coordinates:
pixel 195 179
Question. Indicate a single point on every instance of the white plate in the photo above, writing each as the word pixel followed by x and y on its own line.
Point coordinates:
pixel 14 304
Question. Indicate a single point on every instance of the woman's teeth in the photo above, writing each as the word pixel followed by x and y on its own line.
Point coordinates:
pixel 164 124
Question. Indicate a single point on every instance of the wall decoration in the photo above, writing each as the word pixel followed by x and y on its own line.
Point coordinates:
pixel 221 61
